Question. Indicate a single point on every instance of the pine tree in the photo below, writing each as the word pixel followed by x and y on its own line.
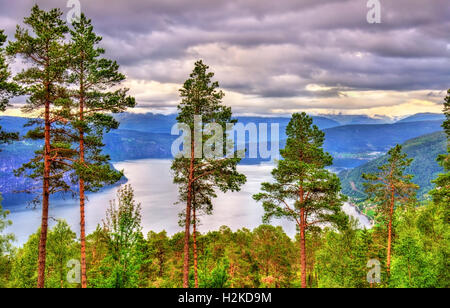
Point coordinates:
pixel 388 188
pixel 45 52
pixel 303 191
pixel 201 97
pixel 441 194
pixel 93 76
pixel 8 90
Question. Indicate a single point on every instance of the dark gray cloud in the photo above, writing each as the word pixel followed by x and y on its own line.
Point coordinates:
pixel 273 49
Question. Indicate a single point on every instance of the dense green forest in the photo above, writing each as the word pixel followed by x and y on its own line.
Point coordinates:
pixel 79 91
pixel 264 257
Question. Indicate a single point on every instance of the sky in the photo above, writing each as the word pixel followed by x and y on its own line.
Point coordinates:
pixel 274 57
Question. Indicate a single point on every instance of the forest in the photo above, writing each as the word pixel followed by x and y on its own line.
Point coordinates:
pixel 74 94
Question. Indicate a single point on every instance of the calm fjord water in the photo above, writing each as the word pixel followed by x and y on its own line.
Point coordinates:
pixel 152 182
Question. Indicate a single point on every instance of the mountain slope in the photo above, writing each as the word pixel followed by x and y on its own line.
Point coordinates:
pixel 344 119
pixel 427 116
pixel 158 123
pixel 376 138
pixel 424 150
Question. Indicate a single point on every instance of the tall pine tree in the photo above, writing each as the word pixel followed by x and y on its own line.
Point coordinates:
pixel 388 188
pixel 42 45
pixel 303 190
pixel 201 97
pixel 92 77
pixel 8 90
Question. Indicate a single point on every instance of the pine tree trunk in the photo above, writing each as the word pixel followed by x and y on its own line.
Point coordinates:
pixel 82 229
pixel 82 198
pixel 389 248
pixel 194 235
pixel 188 219
pixel 45 198
pixel 303 247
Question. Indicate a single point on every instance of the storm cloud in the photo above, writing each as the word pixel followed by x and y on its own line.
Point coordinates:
pixel 276 56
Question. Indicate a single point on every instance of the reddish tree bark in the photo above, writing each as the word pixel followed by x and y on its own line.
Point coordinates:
pixel 188 219
pixel 82 192
pixel 194 235
pixel 391 214
pixel 303 246
pixel 45 195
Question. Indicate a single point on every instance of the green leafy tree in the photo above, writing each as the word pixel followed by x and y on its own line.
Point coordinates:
pixel 8 90
pixel 421 250
pixel 158 250
pixel 42 45
pixel 6 249
pixel 62 247
pixel 343 256
pixel 93 77
pixel 201 97
pixel 25 266
pixel 217 277
pixel 303 191
pixel 389 188
pixel 274 252
pixel 96 251
pixel 122 228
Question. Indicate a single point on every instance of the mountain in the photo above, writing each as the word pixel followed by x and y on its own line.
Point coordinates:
pixel 344 119
pixel 123 145
pixel 147 122
pixel 321 122
pixel 12 156
pixel 427 116
pixel 148 136
pixel 351 145
pixel 375 138
pixel 14 124
pixel 424 150
pixel 158 123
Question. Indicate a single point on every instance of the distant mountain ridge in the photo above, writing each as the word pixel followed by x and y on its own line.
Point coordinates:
pixel 143 136
pixel 158 123
pixel 427 116
pixel 343 119
pixel 375 137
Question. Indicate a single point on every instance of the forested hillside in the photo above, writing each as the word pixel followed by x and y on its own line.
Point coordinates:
pixel 424 150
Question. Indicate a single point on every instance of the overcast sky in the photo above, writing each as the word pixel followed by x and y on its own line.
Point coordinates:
pixel 277 56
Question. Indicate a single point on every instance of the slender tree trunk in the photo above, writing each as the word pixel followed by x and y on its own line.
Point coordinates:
pixel 389 248
pixel 188 219
pixel 82 219
pixel 83 236
pixel 82 195
pixel 302 237
pixel 45 198
pixel 303 247
pixel 194 237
